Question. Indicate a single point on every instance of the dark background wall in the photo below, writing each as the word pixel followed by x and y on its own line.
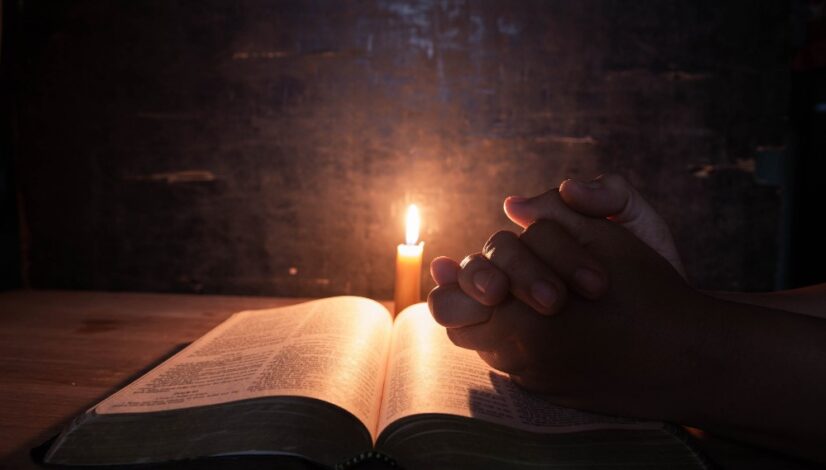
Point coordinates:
pixel 271 147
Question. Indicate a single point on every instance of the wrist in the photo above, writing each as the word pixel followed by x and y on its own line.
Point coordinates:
pixel 696 365
pixel 755 374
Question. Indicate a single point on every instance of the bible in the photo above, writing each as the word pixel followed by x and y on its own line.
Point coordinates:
pixel 332 379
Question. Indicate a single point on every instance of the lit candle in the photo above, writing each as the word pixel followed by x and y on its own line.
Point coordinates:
pixel 409 264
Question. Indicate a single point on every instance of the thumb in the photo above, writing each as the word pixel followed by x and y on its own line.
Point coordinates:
pixel 604 196
pixel 524 211
pixel 608 196
pixel 613 197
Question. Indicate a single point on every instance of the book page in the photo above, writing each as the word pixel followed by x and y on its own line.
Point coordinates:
pixel 428 374
pixel 332 349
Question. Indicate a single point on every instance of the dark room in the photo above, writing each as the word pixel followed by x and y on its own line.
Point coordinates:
pixel 419 234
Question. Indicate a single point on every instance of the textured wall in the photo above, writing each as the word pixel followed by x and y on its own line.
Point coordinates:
pixel 271 147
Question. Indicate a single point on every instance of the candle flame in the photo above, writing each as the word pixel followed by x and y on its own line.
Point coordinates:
pixel 413 222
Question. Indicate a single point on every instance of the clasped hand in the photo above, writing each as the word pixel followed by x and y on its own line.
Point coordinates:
pixel 578 305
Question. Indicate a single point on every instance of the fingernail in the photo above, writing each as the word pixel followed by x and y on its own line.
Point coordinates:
pixel 516 199
pixel 588 281
pixel 544 293
pixel 482 280
pixel 593 184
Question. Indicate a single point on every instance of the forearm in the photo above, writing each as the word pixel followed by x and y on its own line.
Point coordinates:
pixel 759 376
pixel 809 300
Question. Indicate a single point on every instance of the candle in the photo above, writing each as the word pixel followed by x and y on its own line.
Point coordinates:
pixel 409 263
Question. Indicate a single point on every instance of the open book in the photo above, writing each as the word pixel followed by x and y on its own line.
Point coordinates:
pixel 330 379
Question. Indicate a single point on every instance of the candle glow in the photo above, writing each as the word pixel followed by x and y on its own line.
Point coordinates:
pixel 412 226
pixel 409 263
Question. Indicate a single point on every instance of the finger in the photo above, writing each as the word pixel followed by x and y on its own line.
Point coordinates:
pixel 452 308
pixel 503 335
pixel 531 281
pixel 483 281
pixel 600 197
pixel 554 246
pixel 506 357
pixel 612 196
pixel 549 205
pixel 444 270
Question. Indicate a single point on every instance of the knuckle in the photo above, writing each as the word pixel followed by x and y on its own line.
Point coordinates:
pixel 549 241
pixel 497 242
pixel 472 259
pixel 500 238
pixel 542 228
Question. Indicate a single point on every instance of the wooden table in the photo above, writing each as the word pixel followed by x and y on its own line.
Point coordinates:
pixel 62 352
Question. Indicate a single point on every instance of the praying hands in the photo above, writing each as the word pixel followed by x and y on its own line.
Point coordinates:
pixel 589 304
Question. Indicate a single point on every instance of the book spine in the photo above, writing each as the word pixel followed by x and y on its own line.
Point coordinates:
pixel 683 436
pixel 365 457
